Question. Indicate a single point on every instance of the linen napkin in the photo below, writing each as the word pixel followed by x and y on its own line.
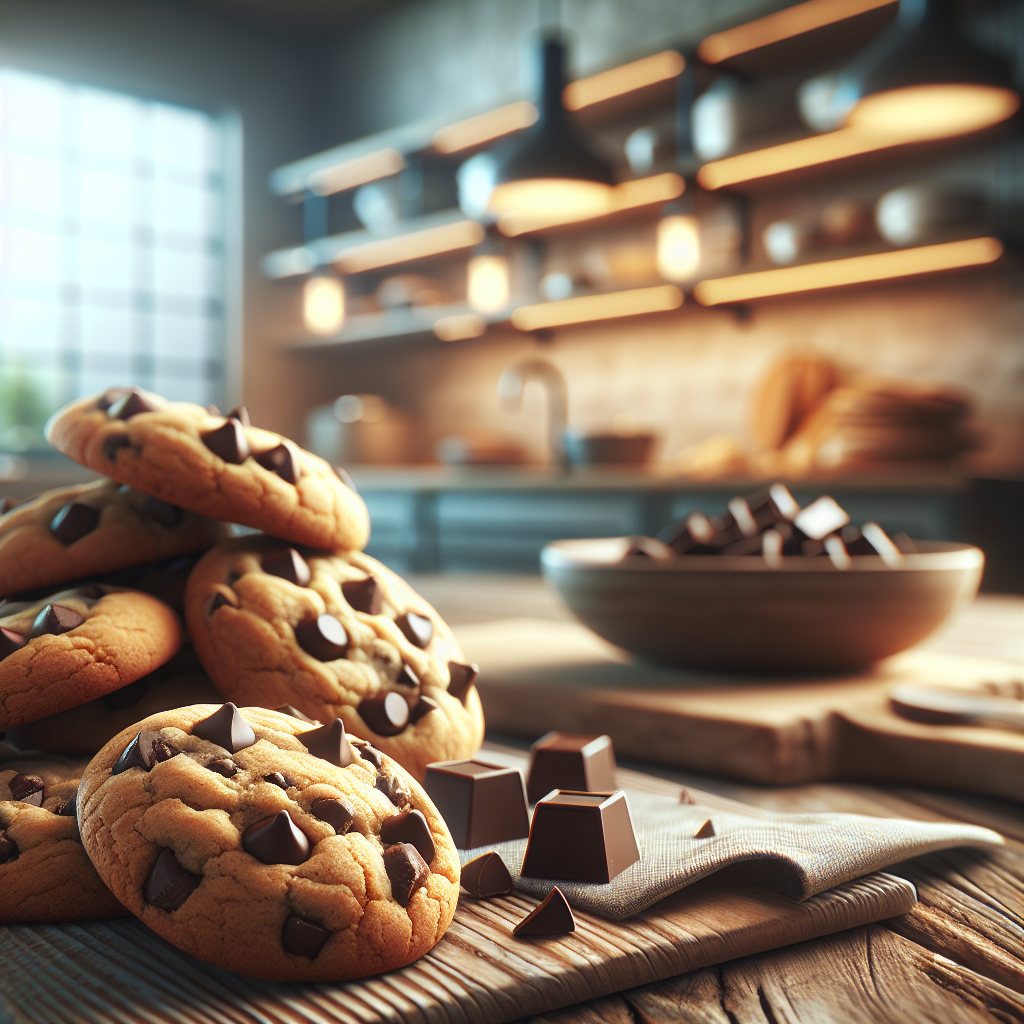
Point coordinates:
pixel 797 855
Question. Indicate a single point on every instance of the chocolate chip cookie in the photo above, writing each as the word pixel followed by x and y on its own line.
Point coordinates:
pixel 73 646
pixel 268 845
pixel 337 636
pixel 218 466
pixel 45 874
pixel 73 533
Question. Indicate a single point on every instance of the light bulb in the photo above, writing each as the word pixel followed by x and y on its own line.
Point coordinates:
pixel 323 304
pixel 487 283
pixel 678 247
pixel 549 196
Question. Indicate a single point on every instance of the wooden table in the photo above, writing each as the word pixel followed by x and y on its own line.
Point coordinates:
pixel 957 957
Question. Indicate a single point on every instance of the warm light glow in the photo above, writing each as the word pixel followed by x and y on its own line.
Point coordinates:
pixel 856 270
pixel 793 21
pixel 933 111
pixel 548 197
pixel 487 283
pixel 416 245
pixel 356 172
pixel 460 327
pixel 475 131
pixel 597 307
pixel 658 68
pixel 678 247
pixel 323 305
pixel 661 188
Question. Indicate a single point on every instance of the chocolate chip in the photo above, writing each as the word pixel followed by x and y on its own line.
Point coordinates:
pixel 337 813
pixel 27 788
pixel 293 712
pixel 277 779
pixel 227 728
pixel 371 754
pixel 553 916
pixel 323 637
pixel 168 884
pixel 281 460
pixel 387 714
pixel 219 600
pixel 129 404
pixel 277 840
pixel 394 788
pixel 422 708
pixel 10 642
pixel 407 871
pixel 128 695
pixel 224 766
pixel 69 809
pixel 486 876
pixel 241 414
pixel 407 677
pixel 55 619
pixel 110 396
pixel 8 848
pixel 113 443
pixel 228 442
pixel 461 678
pixel 364 595
pixel 73 522
pixel 686 797
pixel 706 831
pixel 302 938
pixel 163 512
pixel 329 743
pixel 289 565
pixel 409 827
pixel 146 750
pixel 418 629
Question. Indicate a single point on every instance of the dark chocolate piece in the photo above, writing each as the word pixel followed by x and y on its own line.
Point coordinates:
pixel 10 641
pixel 281 460
pixel 421 709
pixel 407 871
pixel 224 766
pixel 110 396
pixel 369 753
pixel 552 916
pixel 74 521
pixel 163 512
pixel 228 442
pixel 409 827
pixel 277 779
pixel 113 444
pixel 168 884
pixel 129 404
pixel 364 595
pixel 394 788
pixel 323 637
pixel 706 831
pixel 337 813
pixel 293 712
pixel 387 714
pixel 69 809
pixel 146 750
pixel 8 848
pixel 288 565
pixel 55 619
pixel 277 840
pixel 461 678
pixel 585 837
pixel 486 876
pixel 572 761
pixel 330 743
pixel 407 677
pixel 227 728
pixel 27 788
pixel 219 600
pixel 241 414
pixel 481 803
pixel 303 938
pixel 418 629
pixel 820 518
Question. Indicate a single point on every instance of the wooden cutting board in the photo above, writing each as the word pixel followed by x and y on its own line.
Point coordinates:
pixel 540 675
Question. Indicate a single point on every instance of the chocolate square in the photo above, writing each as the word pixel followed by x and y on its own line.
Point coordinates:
pixel 569 760
pixel 481 803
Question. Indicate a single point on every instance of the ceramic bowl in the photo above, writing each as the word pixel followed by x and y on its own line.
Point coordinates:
pixel 740 614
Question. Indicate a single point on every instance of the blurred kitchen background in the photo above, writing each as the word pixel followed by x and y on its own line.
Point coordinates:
pixel 321 208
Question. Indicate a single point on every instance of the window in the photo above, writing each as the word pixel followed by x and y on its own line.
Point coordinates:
pixel 111 250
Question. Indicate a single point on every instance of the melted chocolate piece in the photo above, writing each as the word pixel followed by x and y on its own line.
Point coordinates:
pixel 146 750
pixel 421 709
pixel 110 396
pixel 8 848
pixel 277 840
pixel 227 728
pixel 55 619
pixel 409 827
pixel 323 637
pixel 407 677
pixel 293 712
pixel 364 595
pixel 553 916
pixel 281 460
pixel 706 831
pixel 330 743
pixel 387 714
pixel 224 766
pixel 168 884
pixel 73 522
pixel 228 442
pixel 27 788
pixel 241 414
pixel 407 871
pixel 288 565
pixel 277 779
pixel 369 753
pixel 394 788
pixel 163 512
pixel 302 938
pixel 128 405
pixel 461 678
pixel 486 876
pixel 418 629
pixel 10 641
pixel 337 813
pixel 113 444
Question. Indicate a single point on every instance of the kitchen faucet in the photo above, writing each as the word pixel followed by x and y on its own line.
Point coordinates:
pixel 513 380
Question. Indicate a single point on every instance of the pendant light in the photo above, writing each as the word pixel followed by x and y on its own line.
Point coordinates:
pixel 323 303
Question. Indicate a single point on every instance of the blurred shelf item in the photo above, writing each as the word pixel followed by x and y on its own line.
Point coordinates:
pixel 609 306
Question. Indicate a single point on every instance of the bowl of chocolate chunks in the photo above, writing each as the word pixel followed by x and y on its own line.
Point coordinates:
pixel 769 587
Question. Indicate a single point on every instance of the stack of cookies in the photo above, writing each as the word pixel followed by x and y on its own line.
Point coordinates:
pixel 305 826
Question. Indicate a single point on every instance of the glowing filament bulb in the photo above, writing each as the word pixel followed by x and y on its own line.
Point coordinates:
pixel 678 247
pixel 323 304
pixel 487 286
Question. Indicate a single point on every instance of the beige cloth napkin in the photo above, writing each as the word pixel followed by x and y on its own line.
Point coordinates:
pixel 798 855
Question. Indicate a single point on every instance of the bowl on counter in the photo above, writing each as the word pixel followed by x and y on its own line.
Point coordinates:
pixel 608 449
pixel 740 614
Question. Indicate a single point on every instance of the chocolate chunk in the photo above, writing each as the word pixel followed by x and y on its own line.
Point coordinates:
pixel 409 827
pixel 277 840
pixel 552 916
pixel 461 678
pixel 168 884
pixel 302 938
pixel 146 750
pixel 277 779
pixel 224 766
pixel 130 404
pixel 10 641
pixel 73 522
pixel 228 442
pixel 486 876
pixel 128 695
pixel 371 754
pixel 364 595
pixel 418 629
pixel 241 414
pixel 421 709
pixel 8 848
pixel 686 797
pixel 330 743
pixel 407 677
pixel 387 714
pixel 110 396
pixel 586 837
pixel 289 565
pixel 706 831
pixel 337 813
pixel 820 518
pixel 69 809
pixel 481 803
pixel 219 600
pixel 113 443
pixel 55 619
pixel 227 728
pixel 293 712
pixel 568 760
pixel 394 788
pixel 323 637
pixel 407 871
pixel 27 788
pixel 163 512
pixel 282 461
